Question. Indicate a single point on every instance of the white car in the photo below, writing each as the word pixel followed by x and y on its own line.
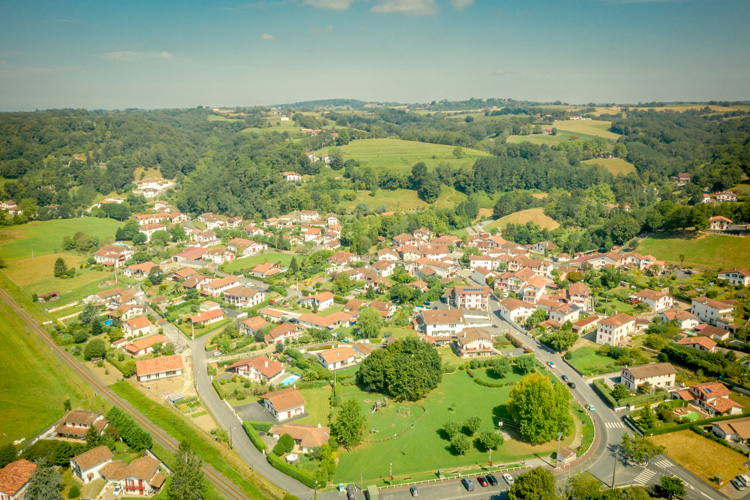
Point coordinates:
pixel 508 479
pixel 117 490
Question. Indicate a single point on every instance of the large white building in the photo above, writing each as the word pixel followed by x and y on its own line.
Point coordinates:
pixel 615 329
pixel 470 297
pixel 710 311
pixel 657 374
pixel 516 310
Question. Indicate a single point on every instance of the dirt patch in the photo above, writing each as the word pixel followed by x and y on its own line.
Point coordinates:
pixel 107 374
pixel 205 422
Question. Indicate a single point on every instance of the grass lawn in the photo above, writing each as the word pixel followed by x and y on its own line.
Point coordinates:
pixel 330 310
pixel 250 262
pixel 317 406
pixel 562 136
pixel 709 250
pixel 219 118
pixel 400 156
pixel 588 127
pixel 404 199
pixel 713 459
pixel 69 290
pixel 535 215
pixel 616 166
pixel 423 448
pixel 589 362
pixel 398 332
pixel 33 382
pixel 46 236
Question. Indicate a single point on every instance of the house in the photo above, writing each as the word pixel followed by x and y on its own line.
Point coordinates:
pixel 656 374
pixel 149 229
pixel 330 322
pixel 655 301
pixel 196 281
pixel 342 258
pixel 306 437
pixel 245 297
pixel 565 455
pixel 158 368
pixel 76 424
pixel 475 342
pixel 698 342
pixel 338 357
pixel 292 176
pixel 282 333
pixel 217 287
pixel 243 247
pixel 265 270
pixel 714 398
pixel 423 234
pixel 87 465
pixel 404 239
pixel 614 329
pixel 533 289
pixel 284 404
pixel 141 477
pixel 685 319
pixel 308 215
pixel 565 313
pixel 321 300
pixel 434 251
pixel 253 325
pixel 312 234
pixel 136 327
pixel 386 309
pixel 713 332
pixel 515 310
pixel 484 261
pixel 113 255
pixel 439 268
pixel 737 431
pixel 362 350
pixel 710 311
pixel 218 255
pixel 14 479
pixel 737 277
pixel 192 253
pixel 724 196
pixel 139 271
pixel 437 323
pixel 719 223
pixel 584 325
pixel 258 369
pixel 332 220
pixel 145 346
pixel 579 294
pixel 543 247
pixel 384 268
pixel 469 297
pixel 207 317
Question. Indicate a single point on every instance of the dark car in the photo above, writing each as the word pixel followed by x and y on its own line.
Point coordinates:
pixel 351 492
pixel 482 481
pixel 492 480
pixel 468 484
pixel 565 378
pixel 414 491
pixel 572 385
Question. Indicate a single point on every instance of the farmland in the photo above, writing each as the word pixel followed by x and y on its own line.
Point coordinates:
pixel 404 199
pixel 615 166
pixel 535 215
pixel 708 250
pixel 587 127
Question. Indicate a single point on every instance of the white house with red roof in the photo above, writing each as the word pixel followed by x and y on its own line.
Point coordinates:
pixel 282 333
pixel 141 347
pixel 516 310
pixel 615 329
pixel 292 176
pixel 113 255
pixel 656 301
pixel 714 398
pixel 475 342
pixel 243 296
pixel 469 297
pixel 710 311
pixel 322 300
pixel 284 404
pixel 724 196
pixel 719 223
pixel 207 317
pixel 159 368
pixel 699 342
pixel 14 479
pixel 217 287
pixel 258 369
pixel 136 327
pixel 266 269
pixel 685 319
pixel 737 277
pixel 336 358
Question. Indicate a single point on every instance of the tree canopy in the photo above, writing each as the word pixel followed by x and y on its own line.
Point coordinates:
pixel 541 408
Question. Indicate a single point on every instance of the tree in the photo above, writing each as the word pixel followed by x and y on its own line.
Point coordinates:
pixel 94 349
pixel 647 417
pixel 541 408
pixel 129 368
pixel 74 491
pixel 473 424
pixel 526 363
pixel 89 314
pixel 349 424
pixel 671 486
pixel 584 486
pixel 490 440
pixel 45 483
pixel 7 454
pixel 562 339
pixel 620 392
pixel 640 448
pixel 96 327
pixel 139 239
pixel 646 387
pixel 451 428
pixel 460 443
pixel 294 266
pixel 188 482
pixel 156 275
pixel 93 439
pixel 501 367
pixel 369 323
pixel 60 267
pixel 537 484
pixel 67 406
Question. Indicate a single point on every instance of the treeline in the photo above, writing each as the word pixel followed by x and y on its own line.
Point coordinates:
pixel 132 434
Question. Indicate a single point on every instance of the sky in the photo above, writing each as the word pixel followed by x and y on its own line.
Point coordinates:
pixel 175 54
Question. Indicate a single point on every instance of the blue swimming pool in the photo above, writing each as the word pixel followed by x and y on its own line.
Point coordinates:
pixel 290 379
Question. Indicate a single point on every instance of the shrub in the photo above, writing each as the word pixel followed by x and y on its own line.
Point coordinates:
pixel 279 449
pixel 74 491
pixel 252 433
pixel 303 477
pixel 287 441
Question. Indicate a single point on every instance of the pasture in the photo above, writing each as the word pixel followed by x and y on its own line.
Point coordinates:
pixel 562 136
pixel 399 156
pixel 615 166
pixel 700 249
pixel 588 127
pixel 535 215
pixel 404 199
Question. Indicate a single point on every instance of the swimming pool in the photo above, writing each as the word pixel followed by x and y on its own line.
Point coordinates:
pixel 290 379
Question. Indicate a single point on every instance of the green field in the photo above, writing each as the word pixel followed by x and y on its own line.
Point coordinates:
pixel 535 215
pixel 424 449
pixel 589 362
pixel 220 118
pixel 588 127
pixel 398 155
pixel 250 262
pixel 562 136
pixel 709 250
pixel 45 237
pixel 616 166
pixel 33 381
pixel 404 199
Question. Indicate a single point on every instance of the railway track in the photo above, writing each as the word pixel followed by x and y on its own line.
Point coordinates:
pixel 222 484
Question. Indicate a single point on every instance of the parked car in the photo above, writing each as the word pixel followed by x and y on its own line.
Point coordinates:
pixel 737 484
pixel 508 479
pixel 564 378
pixel 591 408
pixel 551 364
pixel 482 481
pixel 572 385
pixel 492 480
pixel 351 492
pixel 468 484
pixel 744 479
pixel 414 491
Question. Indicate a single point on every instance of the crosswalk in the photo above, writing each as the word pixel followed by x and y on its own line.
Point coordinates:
pixel 645 476
pixel 664 464
pixel 614 425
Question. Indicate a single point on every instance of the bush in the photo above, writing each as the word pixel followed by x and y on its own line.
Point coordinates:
pixel 94 349
pixel 303 477
pixel 279 449
pixel 253 435
pixel 135 436
pixel 601 387
pixel 218 388
pixel 74 491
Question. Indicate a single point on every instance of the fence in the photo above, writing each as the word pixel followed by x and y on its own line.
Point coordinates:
pixel 394 436
pixel 458 475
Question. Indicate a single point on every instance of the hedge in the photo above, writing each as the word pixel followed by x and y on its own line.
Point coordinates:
pixel 644 398
pixel 681 427
pixel 260 426
pixel 601 387
pixel 217 386
pixel 338 299
pixel 292 471
pixel 484 383
pixel 253 435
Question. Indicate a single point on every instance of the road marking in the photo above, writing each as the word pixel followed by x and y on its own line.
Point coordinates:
pixel 645 476
pixel 664 464
pixel 614 425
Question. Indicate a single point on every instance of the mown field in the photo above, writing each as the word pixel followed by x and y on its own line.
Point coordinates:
pixel 561 136
pixel 45 237
pixel 709 250
pixel 398 155
pixel 535 215
pixel 616 166
pixel 589 127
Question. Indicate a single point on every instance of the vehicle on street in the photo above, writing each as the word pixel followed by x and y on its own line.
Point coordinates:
pixel 591 408
pixel 351 492
pixel 117 490
pixel 744 479
pixel 492 480
pixel 482 481
pixel 564 378
pixel 572 385
pixel 551 364
pixel 414 491
pixel 737 484
pixel 508 479
pixel 468 484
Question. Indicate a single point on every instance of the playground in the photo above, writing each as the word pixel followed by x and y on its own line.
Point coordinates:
pixel 385 417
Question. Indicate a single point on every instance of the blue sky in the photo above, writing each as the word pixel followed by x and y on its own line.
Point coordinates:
pixel 156 54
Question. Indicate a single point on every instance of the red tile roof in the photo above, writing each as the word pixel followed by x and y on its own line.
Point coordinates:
pixel 285 399
pixel 159 365
pixel 14 475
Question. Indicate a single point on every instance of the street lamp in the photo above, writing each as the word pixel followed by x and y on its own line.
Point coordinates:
pixel 557 456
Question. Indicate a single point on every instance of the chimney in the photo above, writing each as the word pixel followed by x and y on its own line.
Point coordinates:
pixel 266 363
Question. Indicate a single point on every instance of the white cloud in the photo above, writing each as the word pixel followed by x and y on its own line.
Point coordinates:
pixel 129 56
pixel 461 4
pixel 410 7
pixel 316 31
pixel 498 71
pixel 267 36
pixel 329 4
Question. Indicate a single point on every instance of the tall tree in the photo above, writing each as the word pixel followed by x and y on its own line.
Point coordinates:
pixel 370 323
pixel 188 482
pixel 541 408
pixel 537 484
pixel 45 483
pixel 349 424
pixel 583 486
pixel 671 487
pixel 60 267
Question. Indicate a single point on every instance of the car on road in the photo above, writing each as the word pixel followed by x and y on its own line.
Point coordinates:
pixel 492 480
pixel 482 481
pixel 591 408
pixel 564 378
pixel 414 491
pixel 508 479
pixel 468 484
pixel 737 484
pixel 572 385
pixel 744 479
pixel 351 492
pixel 551 364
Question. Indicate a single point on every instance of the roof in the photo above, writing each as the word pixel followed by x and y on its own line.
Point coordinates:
pixel 94 456
pixel 712 389
pixel 716 304
pixel 81 417
pixel 741 427
pixel 308 436
pixel 138 323
pixel 228 280
pixel 285 399
pixel 363 348
pixel 140 344
pixel 320 297
pixel 471 290
pixel 513 304
pixel 651 370
pixel 617 320
pixel 699 340
pixel 437 317
pixel 473 335
pixel 256 323
pixel 678 314
pixel 159 365
pixel 722 405
pixel 710 331
pixel 336 354
pixel 685 395
pixel 269 368
pixel 205 316
pixel 649 294
pixel 14 475
pixel 242 291
pixel 141 468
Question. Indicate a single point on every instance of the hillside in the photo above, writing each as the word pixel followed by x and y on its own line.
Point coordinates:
pixel 709 250
pixel 615 166
pixel 535 215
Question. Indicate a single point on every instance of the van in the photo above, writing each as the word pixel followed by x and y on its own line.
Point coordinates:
pixel 744 479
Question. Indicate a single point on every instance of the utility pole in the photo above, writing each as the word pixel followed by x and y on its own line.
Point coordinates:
pixel 614 470
pixel 557 456
pixel 361 482
pixel 391 473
